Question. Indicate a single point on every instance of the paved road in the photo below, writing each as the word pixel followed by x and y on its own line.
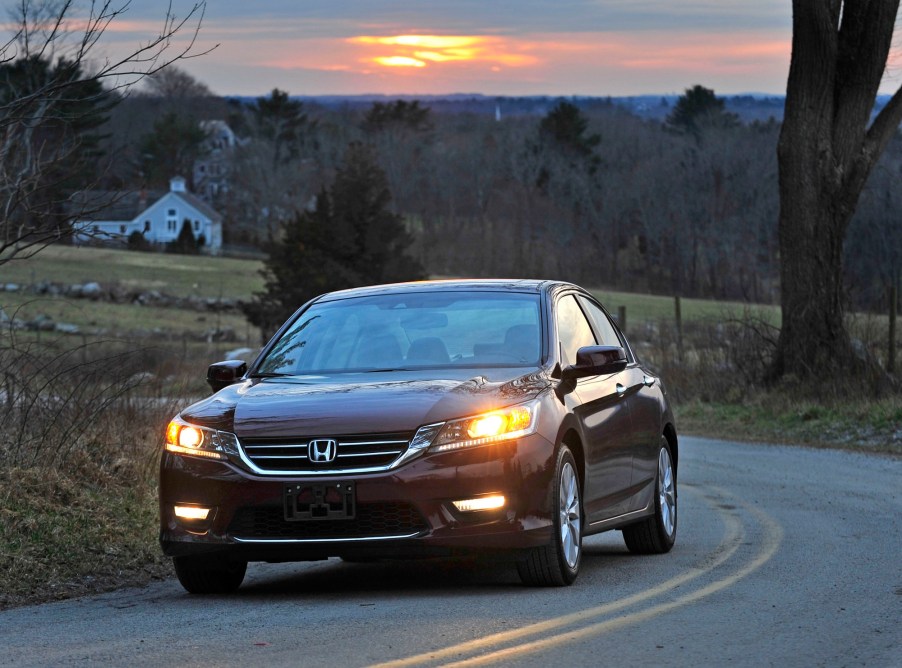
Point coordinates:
pixel 785 556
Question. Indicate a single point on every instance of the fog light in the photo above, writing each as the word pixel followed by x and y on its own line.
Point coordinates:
pixel 492 502
pixel 191 512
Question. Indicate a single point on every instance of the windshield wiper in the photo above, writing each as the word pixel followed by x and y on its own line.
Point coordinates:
pixel 387 369
pixel 269 374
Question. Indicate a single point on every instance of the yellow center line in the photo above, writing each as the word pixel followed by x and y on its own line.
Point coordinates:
pixel 771 543
pixel 732 539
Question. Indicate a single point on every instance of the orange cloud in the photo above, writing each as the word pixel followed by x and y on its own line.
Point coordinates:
pixel 421 41
pixel 596 63
pixel 399 61
pixel 421 50
pixel 716 55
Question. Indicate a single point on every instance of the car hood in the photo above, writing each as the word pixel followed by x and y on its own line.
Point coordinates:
pixel 343 404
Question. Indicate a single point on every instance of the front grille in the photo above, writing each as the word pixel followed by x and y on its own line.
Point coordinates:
pixel 372 520
pixel 356 452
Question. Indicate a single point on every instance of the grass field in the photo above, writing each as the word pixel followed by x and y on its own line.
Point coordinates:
pixel 124 319
pixel 655 308
pixel 178 275
pixel 183 275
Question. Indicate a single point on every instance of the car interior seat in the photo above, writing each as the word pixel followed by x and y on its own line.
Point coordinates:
pixel 428 350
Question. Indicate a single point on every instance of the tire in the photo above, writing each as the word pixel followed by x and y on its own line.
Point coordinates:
pixel 657 534
pixel 200 575
pixel 557 564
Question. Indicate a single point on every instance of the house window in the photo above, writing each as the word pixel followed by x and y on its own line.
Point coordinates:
pixel 171 224
pixel 197 226
pixel 147 226
pixel 171 212
pixel 122 229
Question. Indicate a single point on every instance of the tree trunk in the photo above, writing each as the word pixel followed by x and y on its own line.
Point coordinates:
pixel 825 153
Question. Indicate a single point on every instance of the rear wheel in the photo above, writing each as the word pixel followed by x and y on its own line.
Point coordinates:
pixel 200 575
pixel 557 564
pixel 656 534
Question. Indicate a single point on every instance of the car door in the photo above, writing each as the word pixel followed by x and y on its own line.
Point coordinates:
pixel 604 417
pixel 643 398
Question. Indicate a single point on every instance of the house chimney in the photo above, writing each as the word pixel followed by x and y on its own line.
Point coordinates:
pixel 177 184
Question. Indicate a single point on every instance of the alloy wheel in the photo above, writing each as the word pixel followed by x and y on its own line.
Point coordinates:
pixel 666 492
pixel 569 515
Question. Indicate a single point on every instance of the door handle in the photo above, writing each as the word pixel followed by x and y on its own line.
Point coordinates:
pixel 648 381
pixel 620 389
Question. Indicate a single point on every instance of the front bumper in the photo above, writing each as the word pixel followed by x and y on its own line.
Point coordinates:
pixel 407 512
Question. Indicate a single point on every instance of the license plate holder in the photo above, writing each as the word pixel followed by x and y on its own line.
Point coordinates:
pixel 305 502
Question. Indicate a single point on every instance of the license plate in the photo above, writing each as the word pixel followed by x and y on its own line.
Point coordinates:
pixel 327 501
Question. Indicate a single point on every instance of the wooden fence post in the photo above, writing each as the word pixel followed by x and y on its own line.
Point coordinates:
pixel 678 313
pixel 891 356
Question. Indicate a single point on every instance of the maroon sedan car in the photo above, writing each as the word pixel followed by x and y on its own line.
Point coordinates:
pixel 499 418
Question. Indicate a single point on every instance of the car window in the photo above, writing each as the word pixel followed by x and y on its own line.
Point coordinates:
pixel 603 326
pixel 573 329
pixel 411 330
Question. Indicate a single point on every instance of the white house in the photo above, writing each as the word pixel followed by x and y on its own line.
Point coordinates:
pixel 212 170
pixel 115 216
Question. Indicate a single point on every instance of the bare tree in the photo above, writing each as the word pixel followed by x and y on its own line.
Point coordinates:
pixel 175 84
pixel 827 149
pixel 62 40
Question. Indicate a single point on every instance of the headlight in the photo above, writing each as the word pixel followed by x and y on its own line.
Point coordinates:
pixel 189 439
pixel 500 425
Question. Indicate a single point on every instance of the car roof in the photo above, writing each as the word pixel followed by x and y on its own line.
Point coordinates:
pixel 453 285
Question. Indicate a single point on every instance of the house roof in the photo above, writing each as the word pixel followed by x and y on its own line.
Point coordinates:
pixel 200 205
pixel 103 205
pixel 111 204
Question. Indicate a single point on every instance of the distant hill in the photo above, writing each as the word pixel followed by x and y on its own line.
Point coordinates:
pixel 748 106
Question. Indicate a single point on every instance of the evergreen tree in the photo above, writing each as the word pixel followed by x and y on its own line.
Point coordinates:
pixel 399 114
pixel 563 134
pixel 350 239
pixel 172 148
pixel 186 243
pixel 60 131
pixel 699 108
pixel 565 127
pixel 282 121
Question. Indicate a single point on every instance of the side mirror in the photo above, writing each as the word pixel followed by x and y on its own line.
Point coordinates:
pixel 223 374
pixel 596 361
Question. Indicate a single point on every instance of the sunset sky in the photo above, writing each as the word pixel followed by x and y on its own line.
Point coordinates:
pixel 495 47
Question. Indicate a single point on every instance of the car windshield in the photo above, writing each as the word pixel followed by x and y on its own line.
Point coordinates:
pixel 415 330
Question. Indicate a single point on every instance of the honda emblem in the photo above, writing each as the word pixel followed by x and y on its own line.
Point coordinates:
pixel 322 450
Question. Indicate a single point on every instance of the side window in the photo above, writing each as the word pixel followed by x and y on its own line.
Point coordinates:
pixel 603 326
pixel 573 329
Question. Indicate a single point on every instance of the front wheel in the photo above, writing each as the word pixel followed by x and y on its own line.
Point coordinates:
pixel 557 564
pixel 657 534
pixel 199 575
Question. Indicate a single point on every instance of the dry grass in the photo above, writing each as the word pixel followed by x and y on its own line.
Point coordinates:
pixel 65 533
pixel 79 451
pixel 179 275
pixel 127 320
pixel 870 426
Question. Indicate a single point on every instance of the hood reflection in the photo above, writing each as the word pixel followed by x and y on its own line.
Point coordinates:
pixel 359 403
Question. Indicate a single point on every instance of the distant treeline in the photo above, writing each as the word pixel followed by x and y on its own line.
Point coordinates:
pixel 682 199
